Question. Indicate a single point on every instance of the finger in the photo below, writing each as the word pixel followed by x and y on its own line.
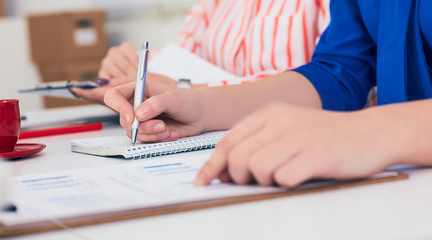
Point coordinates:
pixel 270 157
pixel 120 80
pixel 103 73
pixel 95 95
pixel 111 69
pixel 160 137
pixel 166 102
pixel 182 129
pixel 211 169
pixel 300 169
pixel 124 66
pixel 153 130
pixel 130 53
pixel 118 98
pixel 240 154
pixel 219 159
pixel 224 176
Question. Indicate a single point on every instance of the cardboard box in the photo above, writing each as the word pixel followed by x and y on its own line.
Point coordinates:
pixel 81 70
pixel 2 8
pixel 67 36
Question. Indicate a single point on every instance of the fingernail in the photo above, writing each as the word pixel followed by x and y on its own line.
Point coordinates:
pixel 128 118
pixel 101 81
pixel 159 127
pixel 200 180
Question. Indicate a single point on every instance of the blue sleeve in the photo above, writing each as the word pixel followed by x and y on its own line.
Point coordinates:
pixel 343 66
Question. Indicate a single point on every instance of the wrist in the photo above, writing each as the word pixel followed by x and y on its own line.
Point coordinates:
pixel 199 85
pixel 186 83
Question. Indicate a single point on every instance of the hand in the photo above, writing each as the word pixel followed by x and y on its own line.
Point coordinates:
pixel 287 145
pixel 167 113
pixel 120 61
pixel 119 66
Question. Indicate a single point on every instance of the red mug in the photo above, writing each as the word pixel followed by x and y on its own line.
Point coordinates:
pixel 10 124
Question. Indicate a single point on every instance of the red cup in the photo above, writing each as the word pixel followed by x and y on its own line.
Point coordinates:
pixel 10 124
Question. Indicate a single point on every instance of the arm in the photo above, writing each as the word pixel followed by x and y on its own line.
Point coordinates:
pixel 287 145
pixel 189 112
pixel 343 66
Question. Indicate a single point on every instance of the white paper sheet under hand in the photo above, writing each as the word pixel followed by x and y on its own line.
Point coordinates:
pixel 142 184
pixel 156 183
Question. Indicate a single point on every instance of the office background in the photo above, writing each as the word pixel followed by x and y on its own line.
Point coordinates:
pixel 156 21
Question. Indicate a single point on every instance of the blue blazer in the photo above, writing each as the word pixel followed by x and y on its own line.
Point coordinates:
pixel 368 43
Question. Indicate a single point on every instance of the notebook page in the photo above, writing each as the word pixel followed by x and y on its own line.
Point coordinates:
pixel 121 145
pixel 176 62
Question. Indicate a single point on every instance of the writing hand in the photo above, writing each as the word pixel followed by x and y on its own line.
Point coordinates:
pixel 167 113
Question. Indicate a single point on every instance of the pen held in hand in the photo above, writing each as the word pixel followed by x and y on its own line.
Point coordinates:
pixel 140 86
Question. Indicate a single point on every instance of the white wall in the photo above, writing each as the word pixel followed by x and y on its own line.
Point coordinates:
pixel 16 69
pixel 156 21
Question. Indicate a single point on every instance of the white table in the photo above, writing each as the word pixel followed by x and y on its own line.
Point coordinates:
pixel 393 210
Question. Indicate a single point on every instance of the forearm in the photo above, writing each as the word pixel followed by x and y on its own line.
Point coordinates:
pixel 226 105
pixel 403 132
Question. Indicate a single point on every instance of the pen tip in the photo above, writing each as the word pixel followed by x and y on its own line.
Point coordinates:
pixel 9 208
pixel 146 45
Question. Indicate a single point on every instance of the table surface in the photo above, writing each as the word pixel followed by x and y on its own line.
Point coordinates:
pixel 392 210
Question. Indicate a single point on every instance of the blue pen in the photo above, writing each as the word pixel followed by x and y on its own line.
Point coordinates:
pixel 140 86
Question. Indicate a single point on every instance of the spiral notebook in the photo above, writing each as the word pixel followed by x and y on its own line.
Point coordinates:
pixel 120 146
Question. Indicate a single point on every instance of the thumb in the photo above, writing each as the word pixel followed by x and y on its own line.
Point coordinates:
pixel 165 102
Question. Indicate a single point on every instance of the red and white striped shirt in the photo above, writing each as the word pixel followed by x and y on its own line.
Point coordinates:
pixel 255 38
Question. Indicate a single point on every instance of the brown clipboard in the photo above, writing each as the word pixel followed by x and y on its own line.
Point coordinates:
pixel 48 225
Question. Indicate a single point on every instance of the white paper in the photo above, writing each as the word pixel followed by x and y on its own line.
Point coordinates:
pixel 176 62
pixel 136 185
pixel 4 183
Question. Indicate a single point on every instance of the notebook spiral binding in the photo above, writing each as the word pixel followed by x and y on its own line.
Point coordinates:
pixel 166 148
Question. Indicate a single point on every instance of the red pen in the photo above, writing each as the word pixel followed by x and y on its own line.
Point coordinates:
pixel 60 130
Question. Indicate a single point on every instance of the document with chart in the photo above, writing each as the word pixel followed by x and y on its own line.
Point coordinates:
pixel 131 189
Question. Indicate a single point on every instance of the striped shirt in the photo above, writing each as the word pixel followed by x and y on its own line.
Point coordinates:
pixel 255 38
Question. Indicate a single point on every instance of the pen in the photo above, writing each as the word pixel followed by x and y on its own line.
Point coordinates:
pixel 139 86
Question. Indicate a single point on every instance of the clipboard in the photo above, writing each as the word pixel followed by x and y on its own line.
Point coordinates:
pixel 139 212
pixel 60 88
